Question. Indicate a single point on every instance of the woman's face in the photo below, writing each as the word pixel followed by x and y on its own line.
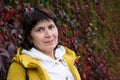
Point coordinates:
pixel 44 36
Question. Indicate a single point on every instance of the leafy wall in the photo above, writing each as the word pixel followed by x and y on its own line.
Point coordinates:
pixel 89 27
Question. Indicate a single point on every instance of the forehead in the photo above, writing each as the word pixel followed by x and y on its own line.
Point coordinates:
pixel 45 22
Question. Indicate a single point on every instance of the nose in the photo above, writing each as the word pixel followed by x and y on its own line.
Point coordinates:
pixel 48 33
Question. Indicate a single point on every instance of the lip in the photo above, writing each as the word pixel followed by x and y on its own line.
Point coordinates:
pixel 50 41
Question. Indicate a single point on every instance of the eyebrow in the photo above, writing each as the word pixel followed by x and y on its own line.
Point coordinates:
pixel 35 28
pixel 52 24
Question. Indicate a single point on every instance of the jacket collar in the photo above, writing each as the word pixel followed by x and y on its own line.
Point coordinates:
pixel 24 57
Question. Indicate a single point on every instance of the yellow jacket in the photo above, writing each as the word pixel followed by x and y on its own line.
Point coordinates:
pixel 23 64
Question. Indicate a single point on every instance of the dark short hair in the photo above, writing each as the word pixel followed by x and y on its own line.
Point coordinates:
pixel 30 19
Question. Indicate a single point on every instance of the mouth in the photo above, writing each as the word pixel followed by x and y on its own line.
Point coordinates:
pixel 50 41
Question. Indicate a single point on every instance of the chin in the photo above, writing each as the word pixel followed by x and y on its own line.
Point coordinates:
pixel 51 47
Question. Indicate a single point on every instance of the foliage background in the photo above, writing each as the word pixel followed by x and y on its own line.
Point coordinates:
pixel 89 27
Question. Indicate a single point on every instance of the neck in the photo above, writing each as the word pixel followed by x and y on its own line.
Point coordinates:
pixel 49 53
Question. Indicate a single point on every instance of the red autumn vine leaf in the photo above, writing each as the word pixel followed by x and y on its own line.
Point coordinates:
pixel 10 14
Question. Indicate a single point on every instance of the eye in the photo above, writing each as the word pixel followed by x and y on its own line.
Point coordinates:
pixel 40 29
pixel 51 26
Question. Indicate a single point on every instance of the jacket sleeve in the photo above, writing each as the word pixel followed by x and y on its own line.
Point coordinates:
pixel 16 72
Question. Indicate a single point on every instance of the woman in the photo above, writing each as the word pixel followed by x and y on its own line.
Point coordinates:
pixel 41 58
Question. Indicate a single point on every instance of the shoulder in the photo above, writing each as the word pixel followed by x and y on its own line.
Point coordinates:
pixel 69 56
pixel 16 72
pixel 16 65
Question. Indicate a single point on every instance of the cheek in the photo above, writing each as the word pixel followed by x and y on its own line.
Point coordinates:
pixel 56 33
pixel 36 39
pixel 37 42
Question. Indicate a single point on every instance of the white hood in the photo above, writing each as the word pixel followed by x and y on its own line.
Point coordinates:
pixel 59 52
